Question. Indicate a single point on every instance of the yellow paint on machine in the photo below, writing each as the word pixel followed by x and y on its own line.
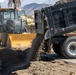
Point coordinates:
pixel 20 41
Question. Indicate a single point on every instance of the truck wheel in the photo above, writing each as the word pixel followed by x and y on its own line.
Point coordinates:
pixel 69 47
pixel 56 48
pixel 36 54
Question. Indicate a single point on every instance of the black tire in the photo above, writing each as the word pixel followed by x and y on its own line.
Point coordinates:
pixel 35 52
pixel 69 47
pixel 46 46
pixel 57 49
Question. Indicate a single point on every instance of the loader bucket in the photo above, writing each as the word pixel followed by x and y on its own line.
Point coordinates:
pixel 20 41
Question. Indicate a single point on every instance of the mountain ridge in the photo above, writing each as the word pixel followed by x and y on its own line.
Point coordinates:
pixel 30 8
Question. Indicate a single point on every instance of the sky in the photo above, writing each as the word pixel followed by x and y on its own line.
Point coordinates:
pixel 24 2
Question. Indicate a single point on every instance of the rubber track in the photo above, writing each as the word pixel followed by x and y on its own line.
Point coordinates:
pixel 31 55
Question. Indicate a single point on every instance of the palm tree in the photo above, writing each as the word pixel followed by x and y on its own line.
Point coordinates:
pixel 16 3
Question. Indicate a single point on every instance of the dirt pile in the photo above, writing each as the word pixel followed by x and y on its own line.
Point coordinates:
pixel 51 67
pixel 56 67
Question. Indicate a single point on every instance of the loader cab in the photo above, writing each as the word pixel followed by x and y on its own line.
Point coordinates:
pixel 13 14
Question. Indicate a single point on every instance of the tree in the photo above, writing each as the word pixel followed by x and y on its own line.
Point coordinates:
pixel 16 3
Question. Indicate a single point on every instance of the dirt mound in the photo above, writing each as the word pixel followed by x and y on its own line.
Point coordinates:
pixel 10 57
pixel 53 67
pixel 56 67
